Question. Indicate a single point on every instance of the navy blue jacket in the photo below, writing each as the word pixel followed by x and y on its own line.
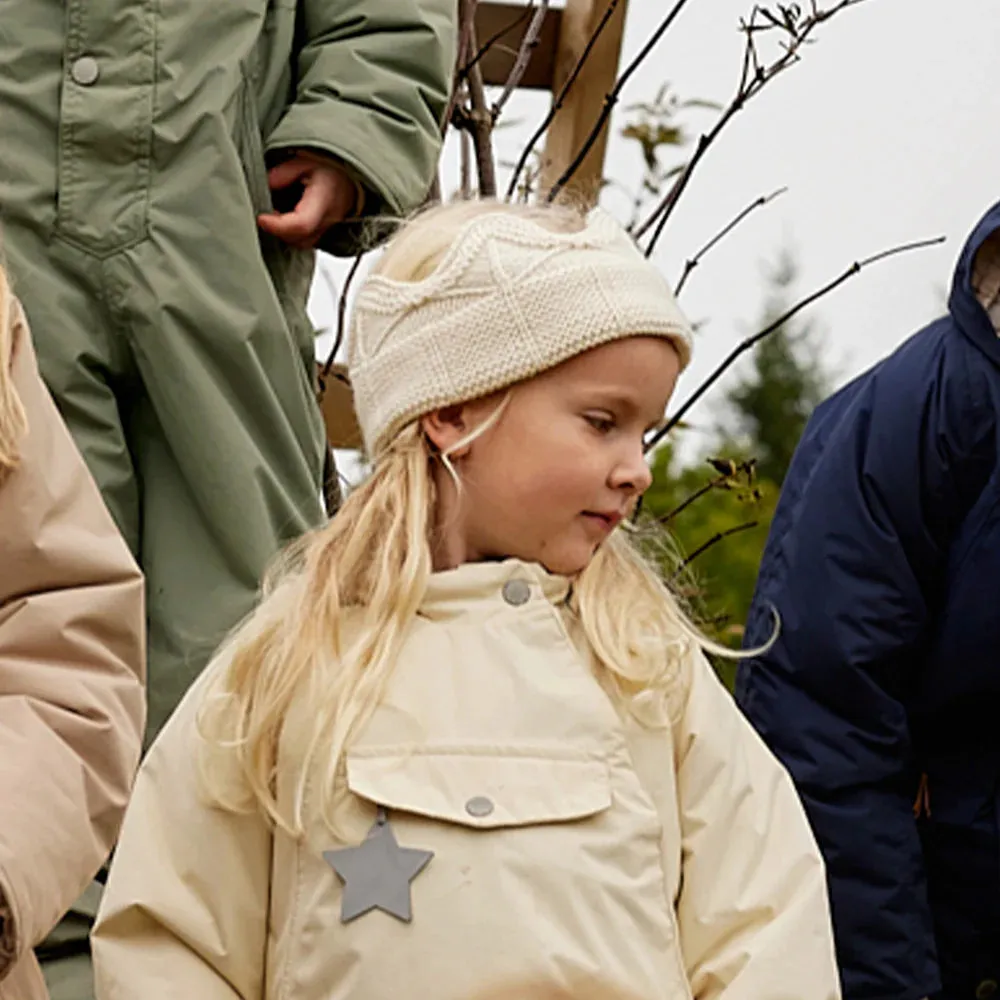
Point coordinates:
pixel 882 693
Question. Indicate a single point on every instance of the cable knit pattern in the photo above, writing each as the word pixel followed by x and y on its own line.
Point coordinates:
pixel 509 300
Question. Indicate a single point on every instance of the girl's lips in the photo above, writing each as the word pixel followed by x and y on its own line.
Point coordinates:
pixel 610 520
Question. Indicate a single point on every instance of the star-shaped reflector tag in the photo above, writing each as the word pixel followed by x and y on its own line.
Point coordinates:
pixel 377 874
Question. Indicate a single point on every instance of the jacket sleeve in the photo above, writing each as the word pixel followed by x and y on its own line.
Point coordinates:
pixel 185 910
pixel 71 667
pixel 881 481
pixel 752 912
pixel 373 81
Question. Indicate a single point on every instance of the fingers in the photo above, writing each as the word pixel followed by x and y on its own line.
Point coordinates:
pixel 288 172
pixel 303 226
pixel 327 196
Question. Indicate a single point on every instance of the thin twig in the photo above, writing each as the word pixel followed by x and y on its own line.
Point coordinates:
pixel 560 98
pixel 612 99
pixel 691 264
pixel 465 164
pixel 466 37
pixel 487 46
pixel 477 118
pixel 341 323
pixel 753 78
pixel 527 49
pixel 752 341
pixel 697 495
pixel 714 540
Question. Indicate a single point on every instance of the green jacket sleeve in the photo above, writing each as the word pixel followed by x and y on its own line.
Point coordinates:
pixel 373 81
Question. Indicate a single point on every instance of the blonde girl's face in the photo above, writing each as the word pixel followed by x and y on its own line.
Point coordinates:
pixel 561 467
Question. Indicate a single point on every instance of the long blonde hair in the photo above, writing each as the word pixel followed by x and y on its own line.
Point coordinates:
pixel 372 562
pixel 13 421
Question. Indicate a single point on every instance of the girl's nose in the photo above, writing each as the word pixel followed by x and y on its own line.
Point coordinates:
pixel 632 474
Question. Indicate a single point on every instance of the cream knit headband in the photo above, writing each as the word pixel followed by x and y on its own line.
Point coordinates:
pixel 509 300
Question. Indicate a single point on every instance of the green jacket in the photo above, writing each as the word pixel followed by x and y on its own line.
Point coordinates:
pixel 173 333
pixel 365 81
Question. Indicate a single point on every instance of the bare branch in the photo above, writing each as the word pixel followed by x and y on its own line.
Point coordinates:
pixel 480 124
pixel 466 42
pixel 612 99
pixel 697 495
pixel 495 38
pixel 727 480
pixel 752 341
pixel 524 54
pixel 754 76
pixel 475 119
pixel 465 154
pixel 341 321
pixel 560 98
pixel 714 540
pixel 693 262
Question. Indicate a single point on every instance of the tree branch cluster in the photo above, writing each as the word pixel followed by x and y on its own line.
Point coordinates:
pixel 785 28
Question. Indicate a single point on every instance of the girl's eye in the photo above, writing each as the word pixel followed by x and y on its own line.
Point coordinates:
pixel 600 422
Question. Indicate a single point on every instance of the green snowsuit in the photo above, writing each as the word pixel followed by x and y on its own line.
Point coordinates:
pixel 134 142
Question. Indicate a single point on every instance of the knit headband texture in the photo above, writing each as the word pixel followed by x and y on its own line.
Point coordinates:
pixel 509 300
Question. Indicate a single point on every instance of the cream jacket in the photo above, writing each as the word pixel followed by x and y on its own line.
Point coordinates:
pixel 672 863
pixel 72 659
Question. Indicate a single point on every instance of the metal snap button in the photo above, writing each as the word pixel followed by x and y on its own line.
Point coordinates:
pixel 986 989
pixel 516 592
pixel 85 71
pixel 479 806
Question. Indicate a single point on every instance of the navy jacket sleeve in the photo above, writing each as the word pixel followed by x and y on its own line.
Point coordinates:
pixel 883 477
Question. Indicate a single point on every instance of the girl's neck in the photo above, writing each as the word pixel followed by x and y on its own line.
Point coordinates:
pixel 448 545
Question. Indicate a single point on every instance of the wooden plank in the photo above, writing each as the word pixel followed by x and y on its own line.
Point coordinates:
pixel 510 21
pixel 578 116
pixel 342 430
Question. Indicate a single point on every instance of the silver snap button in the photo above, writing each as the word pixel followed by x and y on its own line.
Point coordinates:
pixel 479 806
pixel 85 71
pixel 516 592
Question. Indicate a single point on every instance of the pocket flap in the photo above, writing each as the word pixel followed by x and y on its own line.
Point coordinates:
pixel 482 788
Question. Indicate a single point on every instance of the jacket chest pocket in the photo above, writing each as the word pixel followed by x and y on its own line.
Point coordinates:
pixel 534 856
pixel 502 824
pixel 482 790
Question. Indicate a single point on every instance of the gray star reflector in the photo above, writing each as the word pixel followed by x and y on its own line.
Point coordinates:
pixel 377 874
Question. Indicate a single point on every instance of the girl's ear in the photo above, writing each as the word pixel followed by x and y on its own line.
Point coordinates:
pixel 446 427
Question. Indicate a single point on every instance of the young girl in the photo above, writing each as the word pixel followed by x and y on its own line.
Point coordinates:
pixel 71 667
pixel 469 739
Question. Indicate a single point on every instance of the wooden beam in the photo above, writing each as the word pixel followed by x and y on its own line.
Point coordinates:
pixel 510 21
pixel 342 430
pixel 579 113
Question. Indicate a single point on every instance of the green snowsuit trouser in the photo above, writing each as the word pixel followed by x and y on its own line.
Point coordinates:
pixel 134 139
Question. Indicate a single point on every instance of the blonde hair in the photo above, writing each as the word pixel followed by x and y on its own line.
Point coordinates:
pixel 13 420
pixel 373 559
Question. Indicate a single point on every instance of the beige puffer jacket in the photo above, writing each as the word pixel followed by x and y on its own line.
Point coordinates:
pixel 72 658
pixel 566 841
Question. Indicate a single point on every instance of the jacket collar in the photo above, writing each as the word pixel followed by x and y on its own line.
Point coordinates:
pixel 477 586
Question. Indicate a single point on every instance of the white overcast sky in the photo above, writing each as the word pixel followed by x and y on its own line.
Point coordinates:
pixel 887 131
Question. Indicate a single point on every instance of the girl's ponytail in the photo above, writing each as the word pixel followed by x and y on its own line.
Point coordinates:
pixel 363 574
